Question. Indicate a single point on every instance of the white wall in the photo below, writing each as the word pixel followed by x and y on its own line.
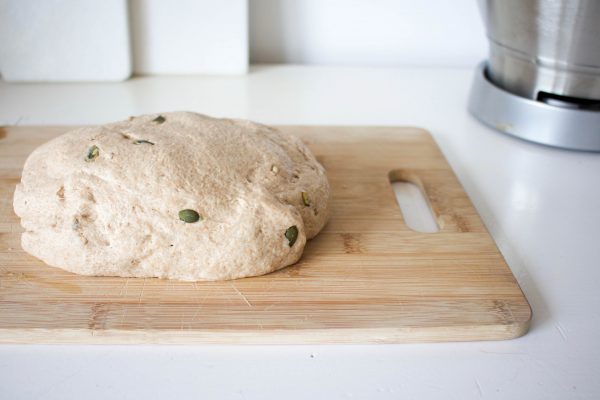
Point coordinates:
pixel 218 36
pixel 363 32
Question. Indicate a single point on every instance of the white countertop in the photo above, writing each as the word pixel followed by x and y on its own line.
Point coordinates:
pixel 542 206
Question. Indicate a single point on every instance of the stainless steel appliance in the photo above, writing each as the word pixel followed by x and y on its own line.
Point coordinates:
pixel 542 79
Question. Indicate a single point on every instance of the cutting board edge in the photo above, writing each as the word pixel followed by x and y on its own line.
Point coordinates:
pixel 273 337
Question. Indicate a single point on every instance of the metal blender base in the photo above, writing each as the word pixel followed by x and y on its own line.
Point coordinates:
pixel 533 120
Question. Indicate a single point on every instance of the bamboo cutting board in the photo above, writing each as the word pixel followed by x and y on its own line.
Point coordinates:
pixel 367 278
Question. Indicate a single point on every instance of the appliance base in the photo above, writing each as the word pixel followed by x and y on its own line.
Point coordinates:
pixel 535 121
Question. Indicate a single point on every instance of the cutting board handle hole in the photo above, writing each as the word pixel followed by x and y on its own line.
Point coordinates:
pixel 413 204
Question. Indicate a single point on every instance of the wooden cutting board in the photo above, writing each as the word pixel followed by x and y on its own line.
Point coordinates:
pixel 367 278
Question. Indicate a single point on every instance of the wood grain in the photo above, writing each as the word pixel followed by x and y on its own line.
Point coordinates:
pixel 366 278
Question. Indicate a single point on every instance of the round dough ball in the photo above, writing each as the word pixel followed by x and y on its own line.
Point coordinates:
pixel 177 195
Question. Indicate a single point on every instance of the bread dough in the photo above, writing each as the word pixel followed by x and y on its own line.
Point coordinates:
pixel 113 199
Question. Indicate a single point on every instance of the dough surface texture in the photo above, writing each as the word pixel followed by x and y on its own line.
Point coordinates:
pixel 113 200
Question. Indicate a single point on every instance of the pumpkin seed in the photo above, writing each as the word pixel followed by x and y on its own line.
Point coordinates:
pixel 92 153
pixel 141 141
pixel 291 234
pixel 189 216
pixel 305 199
